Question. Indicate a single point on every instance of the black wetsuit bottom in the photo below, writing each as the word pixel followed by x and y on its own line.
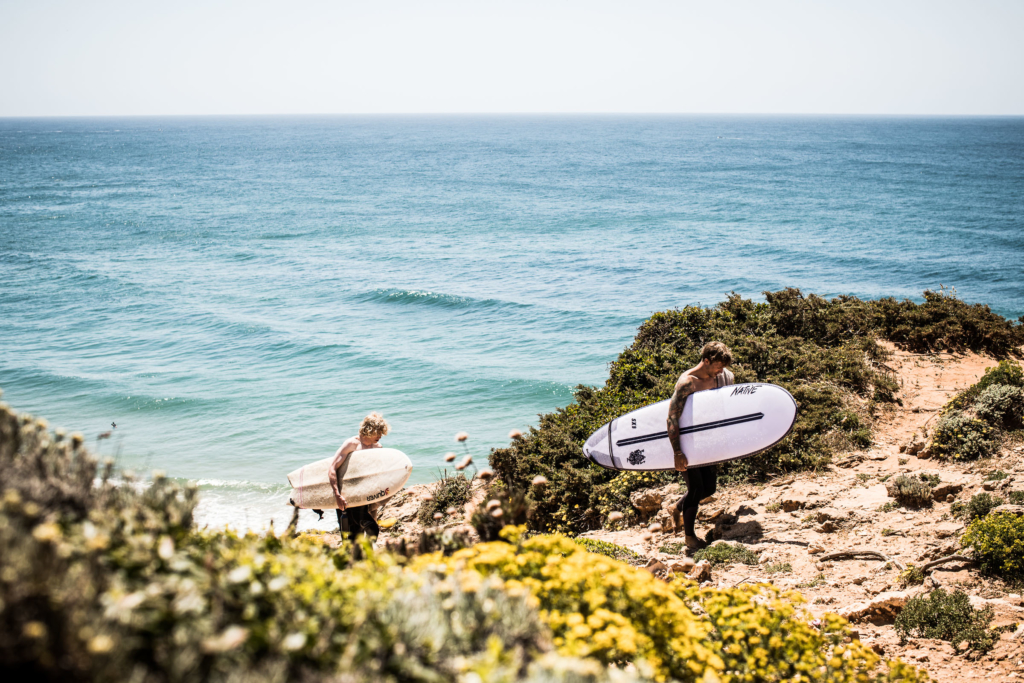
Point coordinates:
pixel 358 521
pixel 701 482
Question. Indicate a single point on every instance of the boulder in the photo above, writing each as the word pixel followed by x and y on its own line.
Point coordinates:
pixel 792 502
pixel 1009 509
pixel 646 503
pixel 654 566
pixel 746 528
pixel 946 488
pixel 914 446
pixel 684 566
pixel 701 572
pixel 881 609
pixel 947 529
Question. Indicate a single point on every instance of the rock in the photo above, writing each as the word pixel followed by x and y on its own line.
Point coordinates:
pixel 741 510
pixel 701 572
pixel 950 498
pixel 826 527
pixel 947 529
pixel 815 550
pixel 793 502
pixel 654 566
pixel 683 567
pixel 707 515
pixel 989 486
pixel 881 609
pixel 1009 509
pixel 914 446
pixel 739 530
pixel 646 503
pixel 945 489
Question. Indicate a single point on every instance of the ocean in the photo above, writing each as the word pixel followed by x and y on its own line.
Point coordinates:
pixel 236 293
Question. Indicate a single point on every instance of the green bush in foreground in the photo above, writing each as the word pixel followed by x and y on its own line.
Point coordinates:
pixel 998 543
pixel 824 352
pixel 108 583
pixel 949 617
pixel 602 609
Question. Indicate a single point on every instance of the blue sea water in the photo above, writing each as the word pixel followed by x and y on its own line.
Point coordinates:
pixel 236 293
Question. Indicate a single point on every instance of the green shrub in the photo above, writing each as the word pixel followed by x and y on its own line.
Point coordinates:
pixel 448 492
pixel 1007 373
pixel 103 582
pixel 977 507
pixel 725 553
pixel 948 617
pixel 823 351
pixel 961 437
pixel 1001 406
pixel 1015 497
pixel 910 491
pixel 673 548
pixel 998 543
pixel 911 576
pixel 995 475
pixel 778 568
pixel 611 550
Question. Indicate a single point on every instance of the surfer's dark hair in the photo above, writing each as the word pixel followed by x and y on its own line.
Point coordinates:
pixel 716 352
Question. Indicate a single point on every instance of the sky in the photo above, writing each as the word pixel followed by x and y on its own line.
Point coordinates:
pixel 138 57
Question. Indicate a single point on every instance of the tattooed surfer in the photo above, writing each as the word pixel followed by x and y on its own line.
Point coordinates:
pixel 701 482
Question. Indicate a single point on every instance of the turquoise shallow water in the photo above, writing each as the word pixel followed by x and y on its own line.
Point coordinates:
pixel 237 293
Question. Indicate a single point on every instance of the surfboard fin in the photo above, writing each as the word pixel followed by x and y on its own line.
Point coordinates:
pixel 320 513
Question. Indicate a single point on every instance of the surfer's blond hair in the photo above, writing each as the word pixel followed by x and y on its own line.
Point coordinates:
pixel 716 352
pixel 374 424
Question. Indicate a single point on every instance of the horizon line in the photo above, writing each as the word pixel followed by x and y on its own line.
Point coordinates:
pixel 511 113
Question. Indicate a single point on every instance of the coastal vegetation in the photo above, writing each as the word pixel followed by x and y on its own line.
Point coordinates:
pixel 949 617
pixel 102 578
pixel 978 419
pixel 825 352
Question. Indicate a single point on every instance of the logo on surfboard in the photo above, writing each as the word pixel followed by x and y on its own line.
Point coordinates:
pixel 636 457
pixel 379 494
pixel 744 389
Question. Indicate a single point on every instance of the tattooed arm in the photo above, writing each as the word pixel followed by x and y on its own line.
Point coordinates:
pixel 684 387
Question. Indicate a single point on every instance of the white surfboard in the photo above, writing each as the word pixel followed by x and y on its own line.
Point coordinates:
pixel 367 476
pixel 717 425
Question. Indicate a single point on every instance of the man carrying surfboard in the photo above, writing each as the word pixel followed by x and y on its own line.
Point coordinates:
pixel 360 520
pixel 701 482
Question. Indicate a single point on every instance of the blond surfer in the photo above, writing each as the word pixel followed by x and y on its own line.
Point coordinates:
pixel 358 520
